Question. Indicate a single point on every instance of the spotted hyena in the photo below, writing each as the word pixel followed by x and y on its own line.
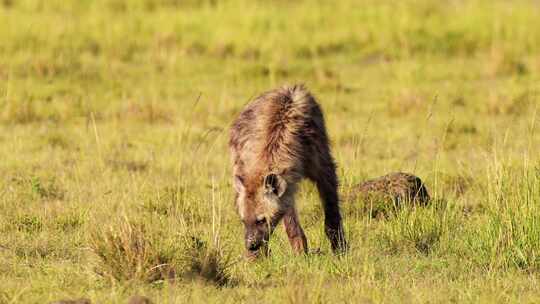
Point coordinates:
pixel 277 140
pixel 388 192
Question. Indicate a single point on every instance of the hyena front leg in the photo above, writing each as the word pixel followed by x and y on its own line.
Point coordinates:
pixel 296 235
pixel 327 185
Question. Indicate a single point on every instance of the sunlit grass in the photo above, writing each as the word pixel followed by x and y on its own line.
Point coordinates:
pixel 115 172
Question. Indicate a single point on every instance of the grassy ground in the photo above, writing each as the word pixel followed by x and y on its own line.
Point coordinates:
pixel 114 164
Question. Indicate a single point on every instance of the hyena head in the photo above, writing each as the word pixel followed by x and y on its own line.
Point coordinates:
pixel 260 206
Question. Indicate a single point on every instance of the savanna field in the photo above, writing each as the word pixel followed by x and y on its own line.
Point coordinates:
pixel 115 177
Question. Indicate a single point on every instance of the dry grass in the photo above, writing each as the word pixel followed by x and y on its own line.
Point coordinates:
pixel 210 264
pixel 113 148
pixel 128 252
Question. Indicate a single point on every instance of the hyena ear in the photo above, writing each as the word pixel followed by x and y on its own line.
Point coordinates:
pixel 276 184
pixel 238 184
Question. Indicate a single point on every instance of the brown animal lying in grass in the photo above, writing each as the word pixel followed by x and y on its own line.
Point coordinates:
pixel 277 140
pixel 389 192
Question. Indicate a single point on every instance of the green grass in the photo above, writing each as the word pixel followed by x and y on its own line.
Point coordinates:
pixel 113 148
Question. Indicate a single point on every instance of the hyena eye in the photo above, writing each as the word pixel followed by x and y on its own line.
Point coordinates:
pixel 261 221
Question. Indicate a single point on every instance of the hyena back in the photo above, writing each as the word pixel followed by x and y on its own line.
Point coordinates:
pixel 277 140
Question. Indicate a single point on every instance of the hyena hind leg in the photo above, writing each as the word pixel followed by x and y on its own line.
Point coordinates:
pixel 294 231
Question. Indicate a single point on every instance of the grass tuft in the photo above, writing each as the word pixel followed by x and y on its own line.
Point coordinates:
pixel 416 229
pixel 511 236
pixel 129 252
pixel 206 263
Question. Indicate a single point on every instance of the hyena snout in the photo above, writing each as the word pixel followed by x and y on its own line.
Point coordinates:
pixel 253 245
pixel 255 239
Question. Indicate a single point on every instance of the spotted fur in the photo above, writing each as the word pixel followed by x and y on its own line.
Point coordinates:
pixel 389 192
